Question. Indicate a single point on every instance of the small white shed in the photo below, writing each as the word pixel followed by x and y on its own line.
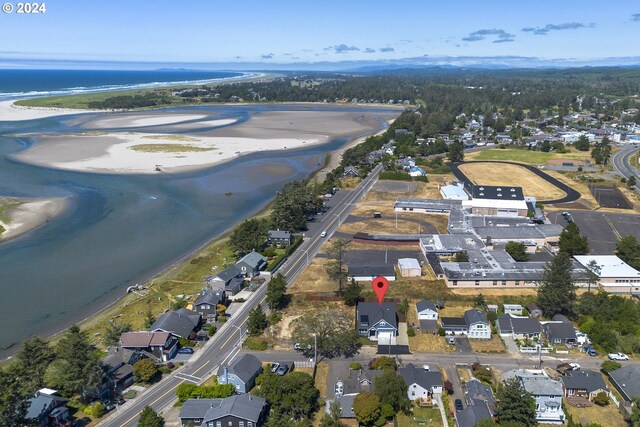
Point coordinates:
pixel 409 267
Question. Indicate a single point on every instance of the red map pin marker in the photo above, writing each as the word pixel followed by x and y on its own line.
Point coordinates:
pixel 380 286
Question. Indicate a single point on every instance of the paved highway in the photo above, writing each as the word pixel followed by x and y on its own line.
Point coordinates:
pixel 620 161
pixel 226 343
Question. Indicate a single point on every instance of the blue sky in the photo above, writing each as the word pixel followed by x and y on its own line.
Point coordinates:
pixel 186 31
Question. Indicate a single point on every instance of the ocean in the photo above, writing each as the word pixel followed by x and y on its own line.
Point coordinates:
pixel 30 83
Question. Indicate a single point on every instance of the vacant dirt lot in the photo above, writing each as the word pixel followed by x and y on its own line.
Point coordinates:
pixel 494 345
pixel 314 279
pixel 505 174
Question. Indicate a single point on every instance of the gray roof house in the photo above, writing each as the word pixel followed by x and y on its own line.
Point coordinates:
pixel 360 380
pixel 477 324
pixel 454 325
pixel 251 264
pixel 242 373
pixel 534 310
pixel 118 367
pixel 583 383
pixel 560 332
pixel 473 414
pixel 240 409
pixel 546 392
pixel 627 381
pixel 207 303
pixel 378 322
pixel 422 383
pixel 229 278
pixel 428 316
pixel 476 390
pixel 346 405
pixel 47 409
pixel 519 327
pixel 181 323
pixel 279 237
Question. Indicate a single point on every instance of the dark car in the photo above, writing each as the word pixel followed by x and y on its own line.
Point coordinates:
pixel 109 406
pixel 458 404
pixel 282 369
pixel 118 400
pixel 186 350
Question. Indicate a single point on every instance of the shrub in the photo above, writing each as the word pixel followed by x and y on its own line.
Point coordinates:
pixel 441 331
pixel 164 369
pixel 411 332
pixel 355 366
pixel 601 399
pixel 383 362
pixel 95 410
pixel 130 394
pixel 609 365
pixel 212 330
pixel 144 370
pixel 256 344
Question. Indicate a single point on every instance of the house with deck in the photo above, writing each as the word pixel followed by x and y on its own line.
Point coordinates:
pixel 583 384
pixel 422 382
pixel 159 346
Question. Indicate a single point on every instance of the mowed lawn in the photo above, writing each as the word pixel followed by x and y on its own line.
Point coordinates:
pixel 525 156
pixel 505 174
pixel 420 417
pixel 608 415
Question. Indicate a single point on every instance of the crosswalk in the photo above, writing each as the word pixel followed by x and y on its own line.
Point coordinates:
pixel 190 378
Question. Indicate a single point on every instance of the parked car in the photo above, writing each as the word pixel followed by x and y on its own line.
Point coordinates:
pixel 185 350
pixel 274 367
pixel 339 388
pixel 299 347
pixel 119 400
pixel 451 340
pixel 109 406
pixel 618 356
pixel 282 369
pixel 575 366
pixel 591 351
pixel 458 404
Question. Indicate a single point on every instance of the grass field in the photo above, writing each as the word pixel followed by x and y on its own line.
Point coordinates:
pixel 168 148
pixel 603 415
pixel 525 156
pixel 420 417
pixel 6 204
pixel 81 101
pixel 169 137
pixel 505 174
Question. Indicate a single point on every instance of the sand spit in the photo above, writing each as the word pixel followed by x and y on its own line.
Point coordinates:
pixel 30 214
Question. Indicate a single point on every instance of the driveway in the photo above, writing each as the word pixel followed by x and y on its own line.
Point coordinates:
pixel 402 338
pixel 511 345
pixel 463 345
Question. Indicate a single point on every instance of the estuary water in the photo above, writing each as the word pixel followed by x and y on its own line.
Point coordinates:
pixel 122 229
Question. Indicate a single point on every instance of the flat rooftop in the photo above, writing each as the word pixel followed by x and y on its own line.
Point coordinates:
pixel 610 266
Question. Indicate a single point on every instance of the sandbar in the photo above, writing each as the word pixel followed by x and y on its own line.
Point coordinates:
pixel 29 214
pixel 11 112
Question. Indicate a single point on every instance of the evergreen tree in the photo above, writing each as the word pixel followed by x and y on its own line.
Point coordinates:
pixel 392 390
pixel 628 249
pixel 352 293
pixel 113 332
pixel 257 321
pixel 572 242
pixel 366 406
pixel 150 418
pixel 517 250
pixel 332 419
pixel 515 405
pixel 456 152
pixel 149 320
pixel 13 400
pixel 32 361
pixel 249 235
pixel 276 292
pixel 557 291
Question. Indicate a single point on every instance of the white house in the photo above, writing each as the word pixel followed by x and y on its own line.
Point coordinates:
pixel 546 392
pixel 477 324
pixel 426 310
pixel 515 309
pixel 422 383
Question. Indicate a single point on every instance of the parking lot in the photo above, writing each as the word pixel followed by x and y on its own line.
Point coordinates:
pixel 609 197
pixel 602 229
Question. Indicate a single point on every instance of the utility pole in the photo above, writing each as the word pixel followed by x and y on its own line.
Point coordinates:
pixel 315 349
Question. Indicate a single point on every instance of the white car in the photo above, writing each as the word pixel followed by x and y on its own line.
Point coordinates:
pixel 575 366
pixel 323 234
pixel 618 356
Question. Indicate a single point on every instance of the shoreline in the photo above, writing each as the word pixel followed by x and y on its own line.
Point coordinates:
pixel 30 214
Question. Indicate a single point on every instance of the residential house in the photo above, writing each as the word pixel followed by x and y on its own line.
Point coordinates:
pixel 417 171
pixel 476 390
pixel 584 383
pixel 560 331
pixel 515 309
pixel 519 328
pixel 378 322
pixel 279 237
pixel 242 373
pixel 351 172
pixel 360 380
pixel 480 404
pixel 546 392
pixel 407 163
pixel 422 383
pixel 534 310
pixel 230 279
pixel 627 381
pixel 118 366
pixel 347 416
pixel 241 410
pixel 207 303
pixel 48 409
pixel 427 316
pixel 181 323
pixel 251 264
pixel 369 271
pixel 454 325
pixel 477 324
pixel 160 346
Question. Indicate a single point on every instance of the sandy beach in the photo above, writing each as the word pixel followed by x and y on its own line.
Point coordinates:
pixel 137 152
pixel 30 214
pixel 11 112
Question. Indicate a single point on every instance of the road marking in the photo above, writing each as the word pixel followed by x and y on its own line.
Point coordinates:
pixel 189 378
pixel 201 367
pixel 152 403
pixel 612 227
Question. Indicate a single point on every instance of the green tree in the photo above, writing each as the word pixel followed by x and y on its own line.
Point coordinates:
pixel 385 363
pixel 572 242
pixel 144 370
pixel 32 361
pixel 276 292
pixel 515 404
pixel 456 152
pixel 113 331
pixel 293 395
pixel 352 293
pixel 336 268
pixel 517 250
pixel 631 182
pixel 332 419
pixel 366 406
pixel 628 249
pixel 257 321
pixel 634 420
pixel 480 300
pixel 293 204
pixel 461 257
pixel 601 399
pixel 609 365
pixel 249 235
pixel 76 366
pixel 150 418
pixel 601 152
pixel 13 400
pixel 557 291
pixel 333 328
pixel 392 390
pixel 404 306
pixel 582 144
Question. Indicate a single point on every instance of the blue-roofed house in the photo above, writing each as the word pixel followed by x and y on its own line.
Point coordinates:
pixel 47 409
pixel 417 171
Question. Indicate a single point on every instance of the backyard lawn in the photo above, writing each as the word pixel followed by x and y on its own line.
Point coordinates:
pixel 604 415
pixel 420 417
